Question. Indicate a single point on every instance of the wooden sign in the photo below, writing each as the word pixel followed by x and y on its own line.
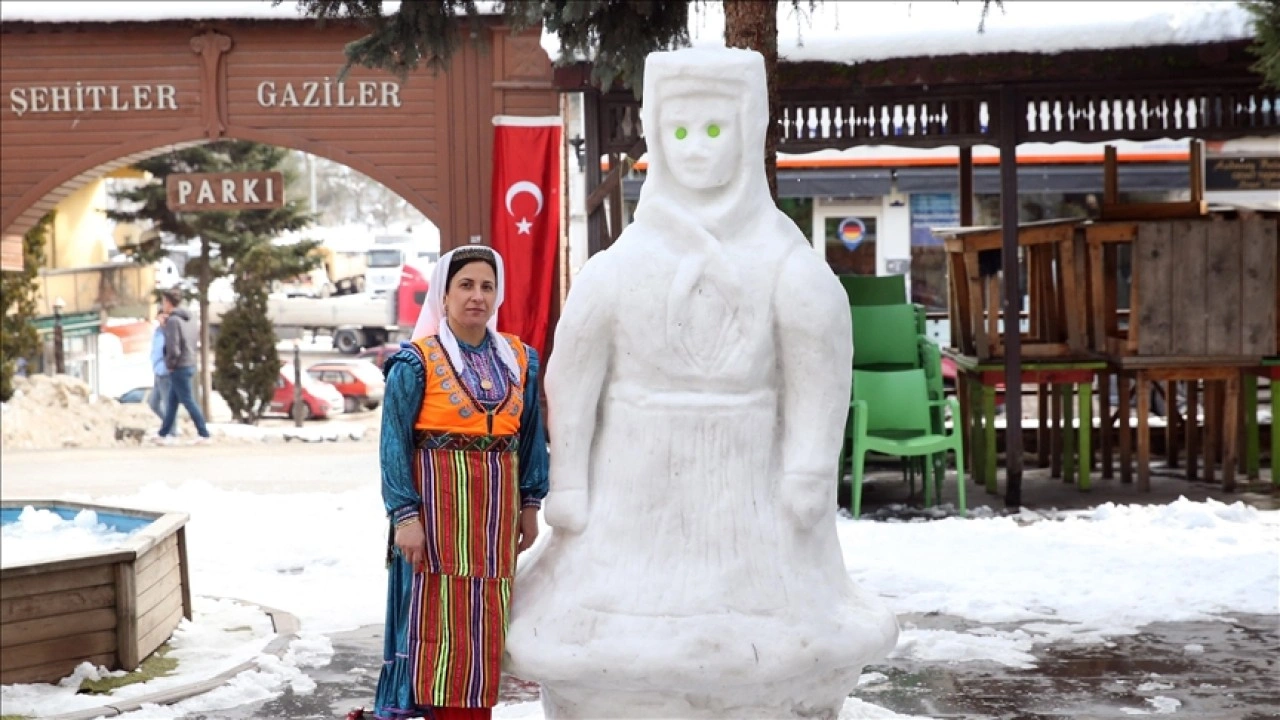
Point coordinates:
pixel 225 191
pixel 1242 173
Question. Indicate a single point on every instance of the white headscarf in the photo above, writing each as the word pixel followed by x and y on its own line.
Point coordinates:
pixel 432 320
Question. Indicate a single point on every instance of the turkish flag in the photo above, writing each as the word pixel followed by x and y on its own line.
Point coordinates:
pixel 525 221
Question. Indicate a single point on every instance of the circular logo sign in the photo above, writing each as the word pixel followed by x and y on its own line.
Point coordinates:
pixel 852 231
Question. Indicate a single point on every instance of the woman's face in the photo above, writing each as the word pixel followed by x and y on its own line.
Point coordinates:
pixel 470 296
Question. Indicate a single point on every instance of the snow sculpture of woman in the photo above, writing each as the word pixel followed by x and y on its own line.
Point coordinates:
pixel 697 396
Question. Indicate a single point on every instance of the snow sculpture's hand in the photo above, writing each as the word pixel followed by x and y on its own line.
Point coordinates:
pixel 411 541
pixel 807 497
pixel 528 528
pixel 567 510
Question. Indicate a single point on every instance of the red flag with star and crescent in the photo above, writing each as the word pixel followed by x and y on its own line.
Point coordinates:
pixel 525 221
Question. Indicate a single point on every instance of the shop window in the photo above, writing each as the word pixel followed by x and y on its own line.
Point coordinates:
pixel 928 259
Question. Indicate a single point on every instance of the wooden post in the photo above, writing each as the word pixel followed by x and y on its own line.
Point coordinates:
pixel 966 187
pixel 1110 176
pixel 1191 423
pixel 126 617
pixel 1230 430
pixel 1126 440
pixel 1144 431
pixel 1171 422
pixel 1010 122
pixel 1209 436
pixel 1085 444
pixel 184 570
pixel 1042 429
pixel 1105 435
pixel 1070 454
pixel 591 126
pixel 1055 432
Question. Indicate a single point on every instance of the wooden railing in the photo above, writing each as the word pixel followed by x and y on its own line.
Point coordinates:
pixel 925 117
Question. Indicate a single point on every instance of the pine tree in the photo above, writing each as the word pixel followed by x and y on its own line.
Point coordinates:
pixel 246 358
pixel 18 338
pixel 1266 39
pixel 235 243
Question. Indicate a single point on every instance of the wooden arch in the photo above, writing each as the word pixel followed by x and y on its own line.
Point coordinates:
pixel 80 100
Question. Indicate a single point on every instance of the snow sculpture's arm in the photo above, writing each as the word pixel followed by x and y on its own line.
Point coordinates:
pixel 816 354
pixel 575 377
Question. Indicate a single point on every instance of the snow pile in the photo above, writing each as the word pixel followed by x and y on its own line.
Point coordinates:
pixel 40 534
pixel 222 635
pixel 59 411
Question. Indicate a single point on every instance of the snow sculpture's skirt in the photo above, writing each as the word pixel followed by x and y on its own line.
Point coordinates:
pixel 446 626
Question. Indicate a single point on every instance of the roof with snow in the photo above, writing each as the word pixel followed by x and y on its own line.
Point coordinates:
pixel 867 31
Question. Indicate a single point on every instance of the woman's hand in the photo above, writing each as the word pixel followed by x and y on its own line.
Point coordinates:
pixel 411 540
pixel 528 528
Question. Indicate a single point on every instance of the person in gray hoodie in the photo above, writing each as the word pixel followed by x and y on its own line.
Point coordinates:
pixel 181 338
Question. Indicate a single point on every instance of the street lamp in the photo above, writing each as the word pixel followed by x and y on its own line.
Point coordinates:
pixel 59 355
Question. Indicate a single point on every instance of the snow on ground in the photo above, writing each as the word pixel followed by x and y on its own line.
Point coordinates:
pixel 1023 581
pixel 1083 578
pixel 38 534
pixel 222 635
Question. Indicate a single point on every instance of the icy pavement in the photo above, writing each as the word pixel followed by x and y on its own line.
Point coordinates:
pixel 1202 670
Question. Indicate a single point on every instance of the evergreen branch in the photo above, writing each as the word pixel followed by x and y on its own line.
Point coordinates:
pixel 1266 39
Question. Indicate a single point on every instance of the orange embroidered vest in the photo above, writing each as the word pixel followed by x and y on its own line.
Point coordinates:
pixel 447 405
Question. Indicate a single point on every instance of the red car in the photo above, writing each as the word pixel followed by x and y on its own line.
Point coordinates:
pixel 359 382
pixel 319 400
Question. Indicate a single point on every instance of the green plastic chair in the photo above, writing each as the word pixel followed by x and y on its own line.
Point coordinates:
pixel 892 416
pixel 864 290
pixel 885 339
pixel 875 289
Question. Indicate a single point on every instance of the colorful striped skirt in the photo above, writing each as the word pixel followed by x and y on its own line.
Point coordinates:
pixel 447 625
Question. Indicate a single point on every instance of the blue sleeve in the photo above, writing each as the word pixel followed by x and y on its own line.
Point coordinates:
pixel 406 381
pixel 157 353
pixel 533 441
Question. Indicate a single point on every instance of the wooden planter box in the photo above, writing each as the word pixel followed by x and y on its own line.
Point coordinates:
pixel 1053 259
pixel 111 608
pixel 1203 291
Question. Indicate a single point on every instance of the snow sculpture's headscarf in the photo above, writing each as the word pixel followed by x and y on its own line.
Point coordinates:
pixel 701 72
pixel 704 220
pixel 432 320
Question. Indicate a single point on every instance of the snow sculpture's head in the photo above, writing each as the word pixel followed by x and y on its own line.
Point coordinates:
pixel 705 114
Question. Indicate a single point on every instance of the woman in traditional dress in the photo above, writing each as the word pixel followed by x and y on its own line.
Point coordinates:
pixel 464 471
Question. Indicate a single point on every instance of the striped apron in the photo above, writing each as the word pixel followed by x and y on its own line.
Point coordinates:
pixel 465 470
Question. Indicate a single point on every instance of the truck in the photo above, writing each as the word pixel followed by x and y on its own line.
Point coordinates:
pixel 355 322
pixel 339 272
